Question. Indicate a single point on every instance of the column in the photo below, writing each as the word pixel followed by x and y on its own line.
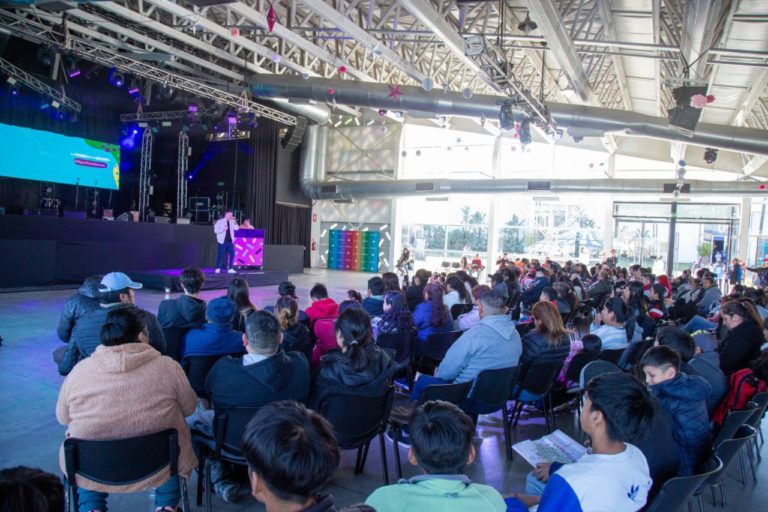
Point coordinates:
pixel 746 211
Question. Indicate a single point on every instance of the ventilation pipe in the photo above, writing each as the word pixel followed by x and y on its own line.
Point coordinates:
pixel 576 117
pixel 313 182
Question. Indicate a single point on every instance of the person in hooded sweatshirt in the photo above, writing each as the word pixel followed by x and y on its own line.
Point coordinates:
pixel 322 305
pixel 179 316
pixel 685 397
pixel 83 302
pixel 265 374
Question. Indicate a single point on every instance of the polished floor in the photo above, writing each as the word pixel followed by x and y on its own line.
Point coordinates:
pixel 31 435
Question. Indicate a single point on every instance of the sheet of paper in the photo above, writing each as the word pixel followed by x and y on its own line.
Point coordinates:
pixel 554 447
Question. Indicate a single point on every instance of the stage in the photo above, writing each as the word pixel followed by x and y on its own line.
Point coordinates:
pixel 169 278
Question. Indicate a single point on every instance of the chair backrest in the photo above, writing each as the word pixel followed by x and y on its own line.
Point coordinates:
pixel 451 393
pixel 611 356
pixel 401 342
pixel 197 368
pixel 459 309
pixel 635 352
pixel 438 343
pixel 727 449
pixel 228 426
pixel 595 368
pixel 355 418
pixel 760 401
pixel 139 458
pixel 540 377
pixel 455 264
pixel 578 363
pixel 491 390
pixel 733 421
pixel 676 492
pixel 446 264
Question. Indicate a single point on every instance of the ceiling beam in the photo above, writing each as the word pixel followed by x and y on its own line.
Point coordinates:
pixel 609 29
pixel 698 33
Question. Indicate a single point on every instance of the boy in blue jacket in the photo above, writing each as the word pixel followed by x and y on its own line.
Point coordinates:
pixel 685 397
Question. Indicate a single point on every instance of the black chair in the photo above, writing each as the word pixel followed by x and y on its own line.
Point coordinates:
pixel 489 395
pixel 459 309
pixel 727 451
pixel 595 368
pixel 761 402
pixel 677 492
pixel 428 354
pixel 612 356
pixel 733 421
pixel 228 426
pixel 197 367
pixel 401 343
pixel 356 420
pixel 139 458
pixel 514 305
pixel 455 394
pixel 579 361
pixel 635 352
pixel 535 386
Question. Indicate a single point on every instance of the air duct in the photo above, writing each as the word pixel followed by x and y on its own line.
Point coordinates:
pixel 577 117
pixel 313 182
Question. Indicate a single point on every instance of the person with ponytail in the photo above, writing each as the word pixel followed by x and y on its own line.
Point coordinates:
pixel 432 316
pixel 295 334
pixel 634 297
pixel 358 366
pixel 745 335
pixel 613 324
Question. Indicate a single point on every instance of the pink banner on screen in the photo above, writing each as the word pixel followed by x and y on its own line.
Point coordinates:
pixel 249 247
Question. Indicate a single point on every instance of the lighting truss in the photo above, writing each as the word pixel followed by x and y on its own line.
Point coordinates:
pixel 181 174
pixel 145 173
pixel 22 77
pixel 169 115
pixel 59 37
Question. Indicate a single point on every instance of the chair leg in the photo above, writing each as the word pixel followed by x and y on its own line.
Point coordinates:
pixel 507 435
pixel 362 457
pixel 208 485
pixel 743 469
pixel 396 447
pixel 752 463
pixel 722 493
pixel 73 498
pixel 701 505
pixel 712 490
pixel 200 476
pixel 184 494
pixel 516 412
pixel 383 449
pixel 358 459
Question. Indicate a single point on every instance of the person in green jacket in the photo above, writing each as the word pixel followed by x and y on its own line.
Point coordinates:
pixel 441 445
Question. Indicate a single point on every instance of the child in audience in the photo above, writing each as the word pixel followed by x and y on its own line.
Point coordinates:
pixel 441 437
pixel 292 454
pixel 685 397
pixel 614 476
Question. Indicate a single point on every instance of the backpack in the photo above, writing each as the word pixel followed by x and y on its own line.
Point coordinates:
pixel 742 387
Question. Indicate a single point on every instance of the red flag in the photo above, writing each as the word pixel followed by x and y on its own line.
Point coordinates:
pixel 271 17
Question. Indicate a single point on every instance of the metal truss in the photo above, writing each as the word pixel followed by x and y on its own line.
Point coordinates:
pixel 181 174
pixel 33 83
pixel 145 173
pixel 171 115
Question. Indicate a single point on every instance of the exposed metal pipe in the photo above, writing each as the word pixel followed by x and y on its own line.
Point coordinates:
pixel 313 182
pixel 593 120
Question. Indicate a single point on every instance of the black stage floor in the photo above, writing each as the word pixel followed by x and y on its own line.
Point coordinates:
pixel 169 278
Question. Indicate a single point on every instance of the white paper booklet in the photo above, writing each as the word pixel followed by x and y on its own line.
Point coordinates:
pixel 554 447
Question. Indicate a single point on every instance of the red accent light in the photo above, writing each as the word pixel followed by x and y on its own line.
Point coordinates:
pixel 761 187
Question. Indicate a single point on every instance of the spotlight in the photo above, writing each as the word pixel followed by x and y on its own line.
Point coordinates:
pixel 12 85
pixel 133 87
pixel 525 132
pixel 192 108
pixel 116 78
pixel 73 70
pixel 527 25
pixel 55 104
pixel 710 155
pixel 232 118
pixel 45 56
pixel 166 124
pixel 506 119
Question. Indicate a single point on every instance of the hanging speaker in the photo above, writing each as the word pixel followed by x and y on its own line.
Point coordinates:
pixel 294 135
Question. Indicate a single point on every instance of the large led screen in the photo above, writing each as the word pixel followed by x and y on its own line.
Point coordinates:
pixel 46 156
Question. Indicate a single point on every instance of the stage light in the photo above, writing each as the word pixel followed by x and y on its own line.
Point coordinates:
pixel 710 155
pixel 527 25
pixel 525 132
pixel 116 78
pixel 232 118
pixel 192 108
pixel 506 120
pixel 55 104
pixel 44 105
pixel 73 70
pixel 166 124
pixel 45 56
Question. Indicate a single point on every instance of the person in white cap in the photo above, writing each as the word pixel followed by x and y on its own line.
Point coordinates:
pixel 115 291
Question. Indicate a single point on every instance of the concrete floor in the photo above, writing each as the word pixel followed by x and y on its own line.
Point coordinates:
pixel 31 435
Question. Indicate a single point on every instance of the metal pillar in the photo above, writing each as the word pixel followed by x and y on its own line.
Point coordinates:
pixel 145 177
pixel 181 174
pixel 671 241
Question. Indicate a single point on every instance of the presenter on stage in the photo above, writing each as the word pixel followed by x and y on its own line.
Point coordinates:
pixel 225 236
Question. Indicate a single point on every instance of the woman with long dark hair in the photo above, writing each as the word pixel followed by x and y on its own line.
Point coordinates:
pixel 634 298
pixel 295 334
pixel 239 293
pixel 745 335
pixel 397 318
pixel 391 282
pixel 456 292
pixel 358 365
pixel 432 316
pixel 415 293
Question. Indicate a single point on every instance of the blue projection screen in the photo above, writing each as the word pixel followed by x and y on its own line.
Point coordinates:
pixel 46 156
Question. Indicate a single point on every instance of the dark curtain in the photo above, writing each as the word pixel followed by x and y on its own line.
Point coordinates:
pixel 284 225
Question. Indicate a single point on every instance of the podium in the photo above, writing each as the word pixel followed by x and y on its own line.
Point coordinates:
pixel 249 249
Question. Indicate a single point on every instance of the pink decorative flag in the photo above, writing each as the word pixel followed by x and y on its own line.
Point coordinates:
pixel 271 17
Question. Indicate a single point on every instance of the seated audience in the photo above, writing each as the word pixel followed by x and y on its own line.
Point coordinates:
pixel 745 335
pixel 266 373
pixel 116 291
pixel 695 362
pixel 442 445
pixel 431 316
pixel 292 454
pixel 566 299
pixel 415 293
pixel 456 292
pixel 322 306
pixel 601 288
pixel 296 336
pixel 391 282
pixel 178 316
pixel 84 301
pixel 498 285
pixel 94 404
pixel 685 397
pixel 396 317
pixel 472 318
pixel 24 489
pixel 712 293
pixel 617 411
pixel 613 324
pixel 374 301
pixel 216 336
pixel 355 296
pixel 548 294
pixel 357 366
pixel 547 342
pixel 532 293
pixel 288 289
pixel 239 293
pixel 325 333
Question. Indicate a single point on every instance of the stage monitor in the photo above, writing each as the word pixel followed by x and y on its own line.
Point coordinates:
pixel 249 248
pixel 46 156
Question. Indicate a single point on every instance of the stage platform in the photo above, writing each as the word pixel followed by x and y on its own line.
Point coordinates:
pixel 169 278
